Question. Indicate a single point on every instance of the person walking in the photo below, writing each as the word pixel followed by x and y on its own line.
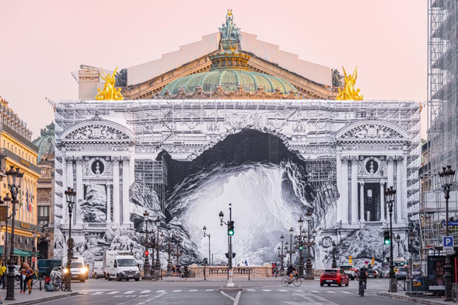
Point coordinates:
pixel 22 278
pixel 362 281
pixel 28 278
pixel 3 275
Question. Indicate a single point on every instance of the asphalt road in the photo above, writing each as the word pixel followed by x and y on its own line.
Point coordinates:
pixel 260 291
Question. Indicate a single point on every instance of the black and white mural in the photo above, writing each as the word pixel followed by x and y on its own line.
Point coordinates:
pixel 184 167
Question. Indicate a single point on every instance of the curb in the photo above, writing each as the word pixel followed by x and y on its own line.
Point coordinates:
pixel 410 299
pixel 50 298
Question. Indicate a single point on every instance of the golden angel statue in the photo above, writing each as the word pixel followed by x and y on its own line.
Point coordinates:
pixel 109 91
pixel 349 92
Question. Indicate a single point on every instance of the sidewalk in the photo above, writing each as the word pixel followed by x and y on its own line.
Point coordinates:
pixel 36 296
pixel 401 295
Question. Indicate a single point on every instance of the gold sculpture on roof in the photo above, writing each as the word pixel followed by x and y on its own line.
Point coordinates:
pixel 109 91
pixel 349 92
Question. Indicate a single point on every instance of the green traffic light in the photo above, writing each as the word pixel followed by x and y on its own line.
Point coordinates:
pixel 387 241
pixel 301 248
pixel 230 232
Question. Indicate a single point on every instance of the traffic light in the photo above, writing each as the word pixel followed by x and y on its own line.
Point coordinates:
pixel 386 237
pixel 301 247
pixel 230 228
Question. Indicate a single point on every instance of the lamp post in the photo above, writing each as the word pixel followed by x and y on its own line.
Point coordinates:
pixel 334 250
pixel 146 265
pixel 210 261
pixel 290 252
pixel 300 246
pixel 411 237
pixel 34 248
pixel 70 195
pixel 281 255
pixel 177 241
pixel 308 266
pixel 447 177
pixel 398 241
pixel 229 224
pixel 390 194
pixel 158 261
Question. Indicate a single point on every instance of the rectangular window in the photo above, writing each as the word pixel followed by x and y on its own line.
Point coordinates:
pixel 43 215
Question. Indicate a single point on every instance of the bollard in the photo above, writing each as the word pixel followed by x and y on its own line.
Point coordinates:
pixel 249 269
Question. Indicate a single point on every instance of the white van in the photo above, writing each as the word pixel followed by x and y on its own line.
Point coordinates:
pixel 97 270
pixel 78 269
pixel 120 265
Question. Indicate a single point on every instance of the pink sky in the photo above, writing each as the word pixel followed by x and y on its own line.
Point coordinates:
pixel 42 42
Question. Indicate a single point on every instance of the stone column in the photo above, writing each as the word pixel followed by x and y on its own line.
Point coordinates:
pixel 390 171
pixel 339 187
pixel 354 190
pixel 108 203
pixel 399 190
pixel 404 188
pixel 344 194
pixel 79 191
pixel 116 203
pixel 125 191
pixel 382 202
pixel 361 202
pixel 64 185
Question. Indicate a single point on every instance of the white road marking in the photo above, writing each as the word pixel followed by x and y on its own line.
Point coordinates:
pixel 129 292
pixel 297 290
pixel 267 290
pixel 314 291
pixel 160 291
pixel 346 292
pixel 282 290
pixel 95 293
pixel 192 290
pixel 145 291
pixel 178 290
pixel 209 289
pixel 330 291
pixel 113 292
pixel 226 295
pixel 249 289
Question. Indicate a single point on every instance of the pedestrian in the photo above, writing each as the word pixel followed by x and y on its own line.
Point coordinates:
pixel 28 278
pixel 362 281
pixel 3 275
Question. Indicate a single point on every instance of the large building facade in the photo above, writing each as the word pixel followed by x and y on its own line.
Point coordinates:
pixel 20 153
pixel 228 125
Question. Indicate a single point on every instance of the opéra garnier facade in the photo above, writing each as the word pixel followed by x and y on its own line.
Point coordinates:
pixel 126 156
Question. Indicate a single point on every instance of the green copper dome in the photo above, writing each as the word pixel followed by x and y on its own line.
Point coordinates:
pixel 229 80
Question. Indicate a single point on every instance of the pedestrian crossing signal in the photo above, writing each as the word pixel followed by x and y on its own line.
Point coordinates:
pixel 230 228
pixel 386 237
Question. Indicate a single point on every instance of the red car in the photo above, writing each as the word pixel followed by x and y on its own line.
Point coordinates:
pixel 334 276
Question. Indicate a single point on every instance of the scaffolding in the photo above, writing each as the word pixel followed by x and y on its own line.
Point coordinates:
pixel 440 150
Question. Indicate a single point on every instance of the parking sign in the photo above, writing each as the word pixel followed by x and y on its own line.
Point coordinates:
pixel 448 243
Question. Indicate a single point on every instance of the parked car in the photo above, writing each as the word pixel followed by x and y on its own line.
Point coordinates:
pixel 334 276
pixel 45 266
pixel 401 274
pixel 349 270
pixel 372 273
pixel 56 271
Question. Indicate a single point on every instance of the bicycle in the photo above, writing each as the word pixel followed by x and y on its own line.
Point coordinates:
pixel 362 287
pixel 296 281
pixel 58 283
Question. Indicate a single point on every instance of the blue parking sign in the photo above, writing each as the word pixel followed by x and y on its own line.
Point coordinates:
pixel 448 242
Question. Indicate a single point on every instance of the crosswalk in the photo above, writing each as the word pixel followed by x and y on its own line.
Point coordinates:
pixel 147 293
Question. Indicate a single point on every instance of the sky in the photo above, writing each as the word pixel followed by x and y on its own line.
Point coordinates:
pixel 42 42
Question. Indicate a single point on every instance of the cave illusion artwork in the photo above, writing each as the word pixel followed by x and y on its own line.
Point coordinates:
pixel 232 133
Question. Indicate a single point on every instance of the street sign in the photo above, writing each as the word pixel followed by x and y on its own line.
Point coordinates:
pixel 448 243
pixel 3 212
pixel 146 252
pixel 450 223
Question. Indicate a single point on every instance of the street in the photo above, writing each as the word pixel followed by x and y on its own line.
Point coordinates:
pixel 265 292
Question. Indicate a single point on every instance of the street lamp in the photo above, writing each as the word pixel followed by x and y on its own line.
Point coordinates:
pixel 290 252
pixel 300 246
pixel 158 262
pixel 177 242
pixel 390 194
pixel 146 265
pixel 334 250
pixel 447 177
pixel 70 195
pixel 308 266
pixel 411 237
pixel 398 240
pixel 210 261
pixel 281 254
pixel 230 232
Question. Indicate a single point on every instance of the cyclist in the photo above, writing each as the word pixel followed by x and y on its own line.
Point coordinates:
pixel 362 281
pixel 290 272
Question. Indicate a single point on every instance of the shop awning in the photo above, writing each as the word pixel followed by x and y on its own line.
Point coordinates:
pixel 18 252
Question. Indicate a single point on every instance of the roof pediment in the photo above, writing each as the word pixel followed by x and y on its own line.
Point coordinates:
pixel 372 130
pixel 98 130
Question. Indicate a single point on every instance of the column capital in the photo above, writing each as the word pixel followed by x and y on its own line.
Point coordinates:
pixel 361 182
pixel 116 159
pixel 125 158
pixel 390 159
pixel 399 158
pixel 354 158
pixel 68 159
pixel 79 160
pixel 345 158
